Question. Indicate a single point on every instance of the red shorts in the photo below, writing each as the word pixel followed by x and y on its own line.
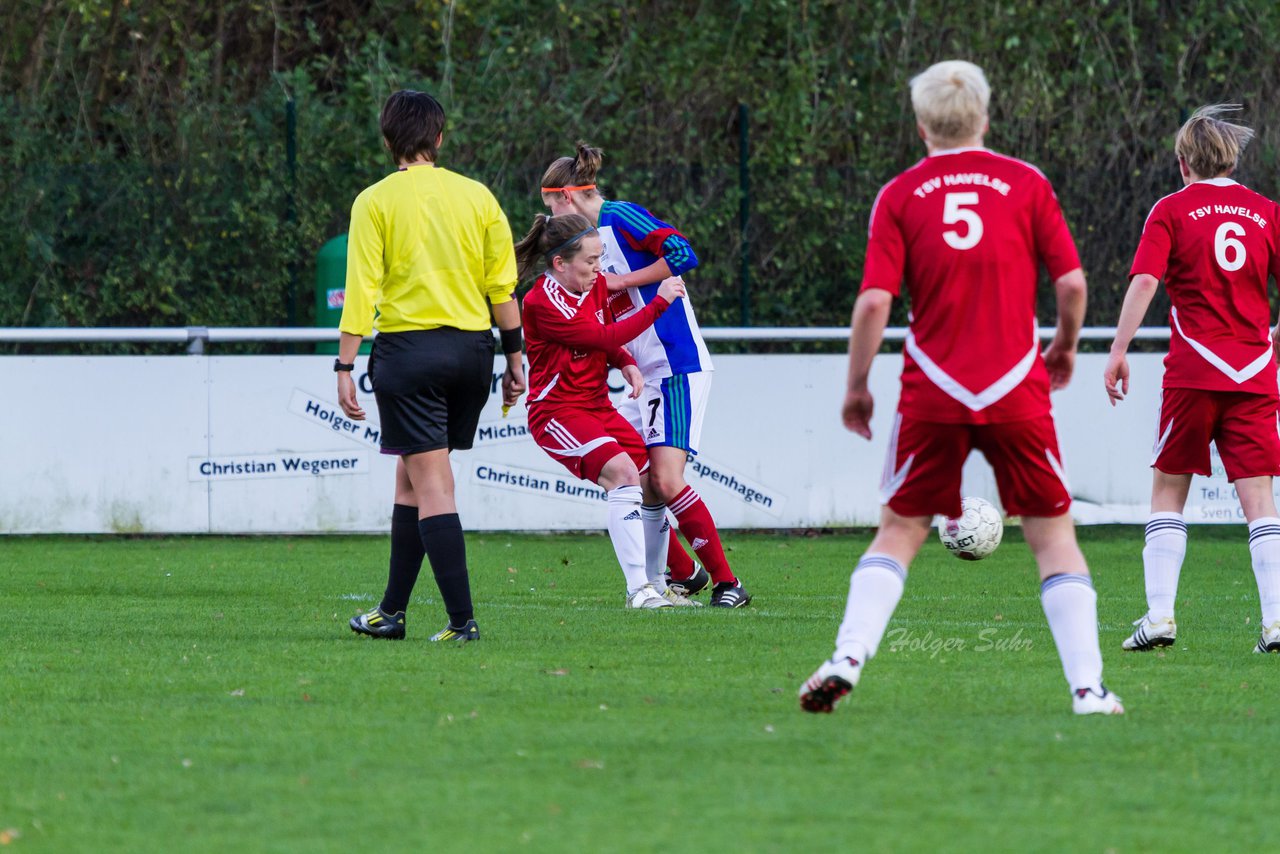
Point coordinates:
pixel 1244 426
pixel 583 440
pixel 922 467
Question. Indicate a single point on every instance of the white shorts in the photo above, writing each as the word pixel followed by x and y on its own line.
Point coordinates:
pixel 670 410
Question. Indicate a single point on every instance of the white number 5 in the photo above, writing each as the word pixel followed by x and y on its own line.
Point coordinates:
pixel 1222 244
pixel 953 211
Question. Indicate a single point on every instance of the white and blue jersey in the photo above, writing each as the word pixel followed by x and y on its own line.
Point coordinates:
pixel 633 239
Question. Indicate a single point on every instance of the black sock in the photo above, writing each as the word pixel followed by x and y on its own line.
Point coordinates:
pixel 447 551
pixel 406 558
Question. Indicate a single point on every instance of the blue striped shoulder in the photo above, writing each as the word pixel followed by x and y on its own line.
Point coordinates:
pixel 632 218
pixel 646 233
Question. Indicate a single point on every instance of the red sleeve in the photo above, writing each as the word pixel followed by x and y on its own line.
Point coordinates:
pixel 620 357
pixel 565 325
pixel 1053 239
pixel 652 242
pixel 886 248
pixel 1152 256
pixel 1275 246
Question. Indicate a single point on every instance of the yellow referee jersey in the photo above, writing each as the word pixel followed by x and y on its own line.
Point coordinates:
pixel 426 248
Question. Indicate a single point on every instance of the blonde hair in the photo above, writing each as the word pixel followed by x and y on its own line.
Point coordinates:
pixel 950 99
pixel 1210 146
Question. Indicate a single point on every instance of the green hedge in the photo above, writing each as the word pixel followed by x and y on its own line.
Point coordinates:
pixel 146 180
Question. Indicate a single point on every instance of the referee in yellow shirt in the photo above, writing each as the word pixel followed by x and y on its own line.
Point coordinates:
pixel 430 252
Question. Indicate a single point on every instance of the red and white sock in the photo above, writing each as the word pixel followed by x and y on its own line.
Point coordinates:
pixel 700 530
pixel 678 560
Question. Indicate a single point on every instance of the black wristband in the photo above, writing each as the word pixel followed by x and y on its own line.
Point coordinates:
pixel 512 340
pixel 339 365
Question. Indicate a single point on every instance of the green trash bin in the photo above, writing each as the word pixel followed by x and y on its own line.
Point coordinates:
pixel 331 288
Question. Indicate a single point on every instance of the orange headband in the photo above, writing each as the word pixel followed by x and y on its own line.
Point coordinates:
pixel 568 189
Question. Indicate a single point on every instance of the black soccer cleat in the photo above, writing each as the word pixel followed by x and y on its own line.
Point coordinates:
pixel 468 632
pixel 729 594
pixel 691 586
pixel 379 624
pixel 829 684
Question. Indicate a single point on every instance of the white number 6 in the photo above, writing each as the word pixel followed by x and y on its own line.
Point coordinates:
pixel 1222 244
pixel 953 211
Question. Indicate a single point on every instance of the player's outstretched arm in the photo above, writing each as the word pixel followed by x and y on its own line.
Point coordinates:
pixel 674 254
pixel 1060 355
pixel 584 331
pixel 1275 274
pixel 866 331
pixel 655 272
pixel 1115 378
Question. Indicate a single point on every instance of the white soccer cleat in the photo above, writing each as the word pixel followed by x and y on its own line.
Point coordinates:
pixel 679 601
pixel 1086 701
pixel 646 599
pixel 829 684
pixel 1150 635
pixel 1270 640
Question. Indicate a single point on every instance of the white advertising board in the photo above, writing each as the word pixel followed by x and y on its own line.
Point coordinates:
pixel 257 444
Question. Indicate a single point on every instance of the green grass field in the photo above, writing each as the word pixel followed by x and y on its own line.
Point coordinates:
pixel 206 695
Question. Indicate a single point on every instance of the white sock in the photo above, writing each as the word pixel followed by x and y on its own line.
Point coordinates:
pixel 1071 606
pixel 874 590
pixel 1162 561
pixel 1264 548
pixel 626 529
pixel 656 541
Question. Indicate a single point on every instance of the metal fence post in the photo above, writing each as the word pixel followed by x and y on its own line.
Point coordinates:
pixel 744 216
pixel 291 203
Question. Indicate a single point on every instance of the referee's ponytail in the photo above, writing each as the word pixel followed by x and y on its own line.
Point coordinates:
pixel 549 237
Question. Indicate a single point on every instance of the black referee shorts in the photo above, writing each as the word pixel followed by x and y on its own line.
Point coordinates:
pixel 430 385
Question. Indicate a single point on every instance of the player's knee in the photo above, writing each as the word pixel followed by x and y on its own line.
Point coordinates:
pixel 1257 499
pixel 665 484
pixel 1052 540
pixel 619 471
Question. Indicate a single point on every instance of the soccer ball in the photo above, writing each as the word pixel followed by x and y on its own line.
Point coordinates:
pixel 976 533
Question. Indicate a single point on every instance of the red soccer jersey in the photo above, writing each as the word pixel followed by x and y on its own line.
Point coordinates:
pixel 571 339
pixel 1214 243
pixel 966 231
